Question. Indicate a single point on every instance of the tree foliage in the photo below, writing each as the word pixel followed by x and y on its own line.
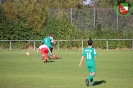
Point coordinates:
pixel 61 29
pixel 34 12
pixel 29 19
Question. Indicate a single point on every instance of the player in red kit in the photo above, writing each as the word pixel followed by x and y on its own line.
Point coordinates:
pixel 44 51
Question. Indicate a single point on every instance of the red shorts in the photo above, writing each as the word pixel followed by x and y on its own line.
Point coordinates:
pixel 44 51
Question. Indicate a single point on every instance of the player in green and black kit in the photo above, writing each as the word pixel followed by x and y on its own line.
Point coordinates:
pixel 89 53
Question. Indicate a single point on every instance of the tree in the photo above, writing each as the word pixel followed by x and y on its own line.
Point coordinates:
pixel 34 12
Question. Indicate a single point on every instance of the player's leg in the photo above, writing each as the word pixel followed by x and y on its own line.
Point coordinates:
pixel 49 52
pixel 51 49
pixel 46 57
pixel 92 74
pixel 46 54
pixel 87 81
pixel 43 56
pixel 55 56
pixel 91 79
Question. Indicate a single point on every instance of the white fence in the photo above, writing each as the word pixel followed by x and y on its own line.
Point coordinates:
pixel 58 42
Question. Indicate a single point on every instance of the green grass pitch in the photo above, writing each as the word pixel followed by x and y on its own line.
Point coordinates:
pixel 114 70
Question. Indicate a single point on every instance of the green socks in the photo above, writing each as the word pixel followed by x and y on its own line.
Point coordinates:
pixel 90 78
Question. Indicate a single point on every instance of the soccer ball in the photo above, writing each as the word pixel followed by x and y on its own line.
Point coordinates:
pixel 27 53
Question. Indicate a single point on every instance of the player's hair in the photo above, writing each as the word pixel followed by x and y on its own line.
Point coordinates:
pixel 49 34
pixel 90 42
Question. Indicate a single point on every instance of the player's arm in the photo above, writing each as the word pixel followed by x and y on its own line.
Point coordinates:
pixel 82 57
pixel 95 53
pixel 54 41
pixel 80 63
pixel 37 49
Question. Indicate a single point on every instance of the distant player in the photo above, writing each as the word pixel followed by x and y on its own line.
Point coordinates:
pixel 89 53
pixel 44 51
pixel 52 42
pixel 47 41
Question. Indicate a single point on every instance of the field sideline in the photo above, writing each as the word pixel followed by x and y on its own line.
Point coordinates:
pixel 114 70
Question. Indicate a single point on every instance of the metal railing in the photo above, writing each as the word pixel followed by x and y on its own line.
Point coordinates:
pixel 58 42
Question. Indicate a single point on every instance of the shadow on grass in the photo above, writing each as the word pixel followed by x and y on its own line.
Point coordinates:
pixel 54 58
pixel 49 61
pixel 99 82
